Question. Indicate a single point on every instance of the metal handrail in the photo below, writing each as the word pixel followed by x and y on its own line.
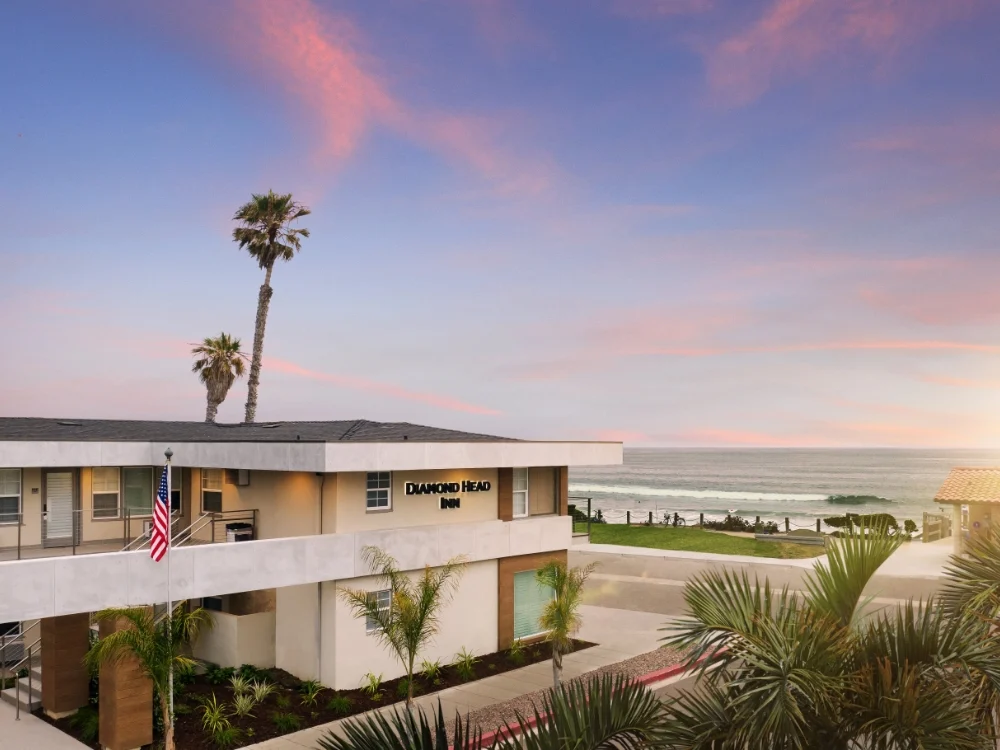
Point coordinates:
pixel 142 541
pixel 20 637
pixel 17 680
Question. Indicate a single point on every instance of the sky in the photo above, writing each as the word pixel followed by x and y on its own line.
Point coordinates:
pixel 667 222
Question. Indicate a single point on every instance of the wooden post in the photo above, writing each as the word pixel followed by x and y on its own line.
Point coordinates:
pixel 787 527
pixel 650 518
pixel 756 524
pixel 701 519
pixel 817 526
pixel 628 518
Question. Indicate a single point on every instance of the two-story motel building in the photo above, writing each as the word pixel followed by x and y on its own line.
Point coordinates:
pixel 270 519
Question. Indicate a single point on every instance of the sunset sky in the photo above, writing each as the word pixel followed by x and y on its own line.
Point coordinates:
pixel 668 222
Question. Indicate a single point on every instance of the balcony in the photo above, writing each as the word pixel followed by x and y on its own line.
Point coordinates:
pixel 50 586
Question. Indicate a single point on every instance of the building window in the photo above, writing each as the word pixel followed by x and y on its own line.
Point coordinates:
pixel 211 490
pixel 137 489
pixel 530 599
pixel 176 479
pixel 520 493
pixel 105 492
pixel 10 495
pixel 383 599
pixel 378 492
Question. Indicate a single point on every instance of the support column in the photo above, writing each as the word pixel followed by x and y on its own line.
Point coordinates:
pixel 65 682
pixel 956 528
pixel 297 630
pixel 126 701
pixel 505 494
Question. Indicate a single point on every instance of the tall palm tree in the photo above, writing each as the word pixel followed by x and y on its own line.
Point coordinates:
pixel 785 672
pixel 593 714
pixel 219 362
pixel 410 621
pixel 560 617
pixel 154 644
pixel 265 231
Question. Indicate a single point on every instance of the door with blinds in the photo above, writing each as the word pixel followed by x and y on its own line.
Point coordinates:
pixel 530 599
pixel 58 516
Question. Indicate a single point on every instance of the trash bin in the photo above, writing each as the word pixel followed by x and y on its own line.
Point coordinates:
pixel 239 532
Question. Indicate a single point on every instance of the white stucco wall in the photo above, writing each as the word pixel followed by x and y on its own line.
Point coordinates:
pixel 235 640
pixel 296 627
pixel 468 621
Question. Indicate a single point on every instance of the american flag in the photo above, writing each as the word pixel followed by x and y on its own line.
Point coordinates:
pixel 159 540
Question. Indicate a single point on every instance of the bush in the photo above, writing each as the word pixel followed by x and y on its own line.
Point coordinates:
pixel 286 722
pixel 283 701
pixel 217 675
pixel 252 673
pixel 310 690
pixel 869 521
pixel 403 688
pixel 465 665
pixel 738 523
pixel 87 722
pixel 372 684
pixel 431 670
pixel 515 654
pixel 339 704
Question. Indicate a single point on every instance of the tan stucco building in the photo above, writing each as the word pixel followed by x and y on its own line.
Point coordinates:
pixel 974 497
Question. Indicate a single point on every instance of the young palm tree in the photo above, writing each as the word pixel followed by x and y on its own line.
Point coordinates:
pixel 410 621
pixel 785 672
pixel 219 362
pixel 154 644
pixel 561 618
pixel 266 233
pixel 593 714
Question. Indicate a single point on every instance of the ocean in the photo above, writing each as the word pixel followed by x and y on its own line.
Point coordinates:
pixel 800 484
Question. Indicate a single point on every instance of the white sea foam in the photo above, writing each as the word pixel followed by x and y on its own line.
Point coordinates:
pixel 701 494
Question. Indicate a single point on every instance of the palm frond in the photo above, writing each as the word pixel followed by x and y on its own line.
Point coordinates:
pixel 560 617
pixel 265 230
pixel 401 730
pixel 972 581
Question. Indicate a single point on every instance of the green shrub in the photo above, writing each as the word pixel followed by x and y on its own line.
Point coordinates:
pixel 252 673
pixel 465 665
pixel 87 722
pixel 239 684
pixel 261 689
pixel 283 701
pixel 431 670
pixel 403 688
pixel 339 704
pixel 515 654
pixel 310 690
pixel 372 685
pixel 226 736
pixel 243 704
pixel 213 715
pixel 286 722
pixel 217 675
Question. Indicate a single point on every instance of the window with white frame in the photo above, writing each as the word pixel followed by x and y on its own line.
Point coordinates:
pixel 10 495
pixel 105 491
pixel 378 491
pixel 520 493
pixel 382 600
pixel 137 490
pixel 211 490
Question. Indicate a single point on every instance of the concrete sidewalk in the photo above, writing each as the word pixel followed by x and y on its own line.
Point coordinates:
pixel 32 732
pixel 623 634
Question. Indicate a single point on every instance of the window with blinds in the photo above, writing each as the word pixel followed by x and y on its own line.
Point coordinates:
pixel 530 599
pixel 211 490
pixel 520 493
pixel 137 487
pixel 105 491
pixel 10 495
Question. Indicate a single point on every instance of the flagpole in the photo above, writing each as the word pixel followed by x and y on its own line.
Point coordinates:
pixel 170 604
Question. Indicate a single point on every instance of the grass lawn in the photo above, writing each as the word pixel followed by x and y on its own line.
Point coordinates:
pixel 694 540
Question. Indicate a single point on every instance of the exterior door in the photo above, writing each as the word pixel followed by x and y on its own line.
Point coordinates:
pixel 57 511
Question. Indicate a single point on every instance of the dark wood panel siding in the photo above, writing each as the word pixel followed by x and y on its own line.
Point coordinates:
pixel 506 568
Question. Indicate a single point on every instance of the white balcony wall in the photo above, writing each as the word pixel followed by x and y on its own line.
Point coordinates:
pixel 235 640
pixel 65 585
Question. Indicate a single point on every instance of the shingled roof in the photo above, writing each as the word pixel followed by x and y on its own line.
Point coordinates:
pixel 971 485
pixel 115 430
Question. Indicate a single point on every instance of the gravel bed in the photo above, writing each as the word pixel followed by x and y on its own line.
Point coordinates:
pixel 491 717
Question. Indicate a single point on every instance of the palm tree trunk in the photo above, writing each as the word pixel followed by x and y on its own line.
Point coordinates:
pixel 168 730
pixel 557 666
pixel 212 409
pixel 409 687
pixel 263 302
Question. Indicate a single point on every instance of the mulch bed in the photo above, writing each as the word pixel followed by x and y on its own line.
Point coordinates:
pixel 293 715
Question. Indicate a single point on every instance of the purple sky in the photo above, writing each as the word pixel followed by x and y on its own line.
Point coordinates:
pixel 673 222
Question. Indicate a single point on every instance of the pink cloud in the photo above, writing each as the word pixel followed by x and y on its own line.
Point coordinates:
pixel 384 389
pixel 961 382
pixel 313 56
pixel 793 36
pixel 828 347
pixel 651 9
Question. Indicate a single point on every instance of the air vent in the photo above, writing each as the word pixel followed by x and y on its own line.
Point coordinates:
pixel 68 423
pixel 270 425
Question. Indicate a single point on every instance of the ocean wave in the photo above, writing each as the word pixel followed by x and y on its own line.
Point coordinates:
pixel 700 494
pixel 857 500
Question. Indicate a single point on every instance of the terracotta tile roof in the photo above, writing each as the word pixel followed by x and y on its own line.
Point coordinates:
pixel 971 485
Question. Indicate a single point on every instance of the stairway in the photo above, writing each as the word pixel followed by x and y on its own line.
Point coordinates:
pixel 31 700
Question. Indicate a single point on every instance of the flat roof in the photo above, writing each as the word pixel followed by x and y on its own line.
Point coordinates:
pixel 127 430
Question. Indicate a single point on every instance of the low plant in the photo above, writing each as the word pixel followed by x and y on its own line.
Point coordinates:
pixel 339 704
pixel 239 684
pixel 213 715
pixel 310 690
pixel 261 689
pixel 431 670
pixel 403 688
pixel 465 665
pixel 251 672
pixel 183 676
pixel 182 709
pixel 243 704
pixel 217 675
pixel 283 701
pixel 286 722
pixel 226 736
pixel 87 722
pixel 371 684
pixel 515 654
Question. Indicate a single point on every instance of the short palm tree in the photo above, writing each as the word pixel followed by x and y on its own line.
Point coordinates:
pixel 410 621
pixel 265 231
pixel 785 672
pixel 156 644
pixel 593 714
pixel 561 617
pixel 219 362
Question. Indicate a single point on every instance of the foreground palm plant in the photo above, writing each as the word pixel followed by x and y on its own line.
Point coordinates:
pixel 788 672
pixel 265 231
pixel 410 621
pixel 561 617
pixel 600 712
pixel 219 362
pixel 156 645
